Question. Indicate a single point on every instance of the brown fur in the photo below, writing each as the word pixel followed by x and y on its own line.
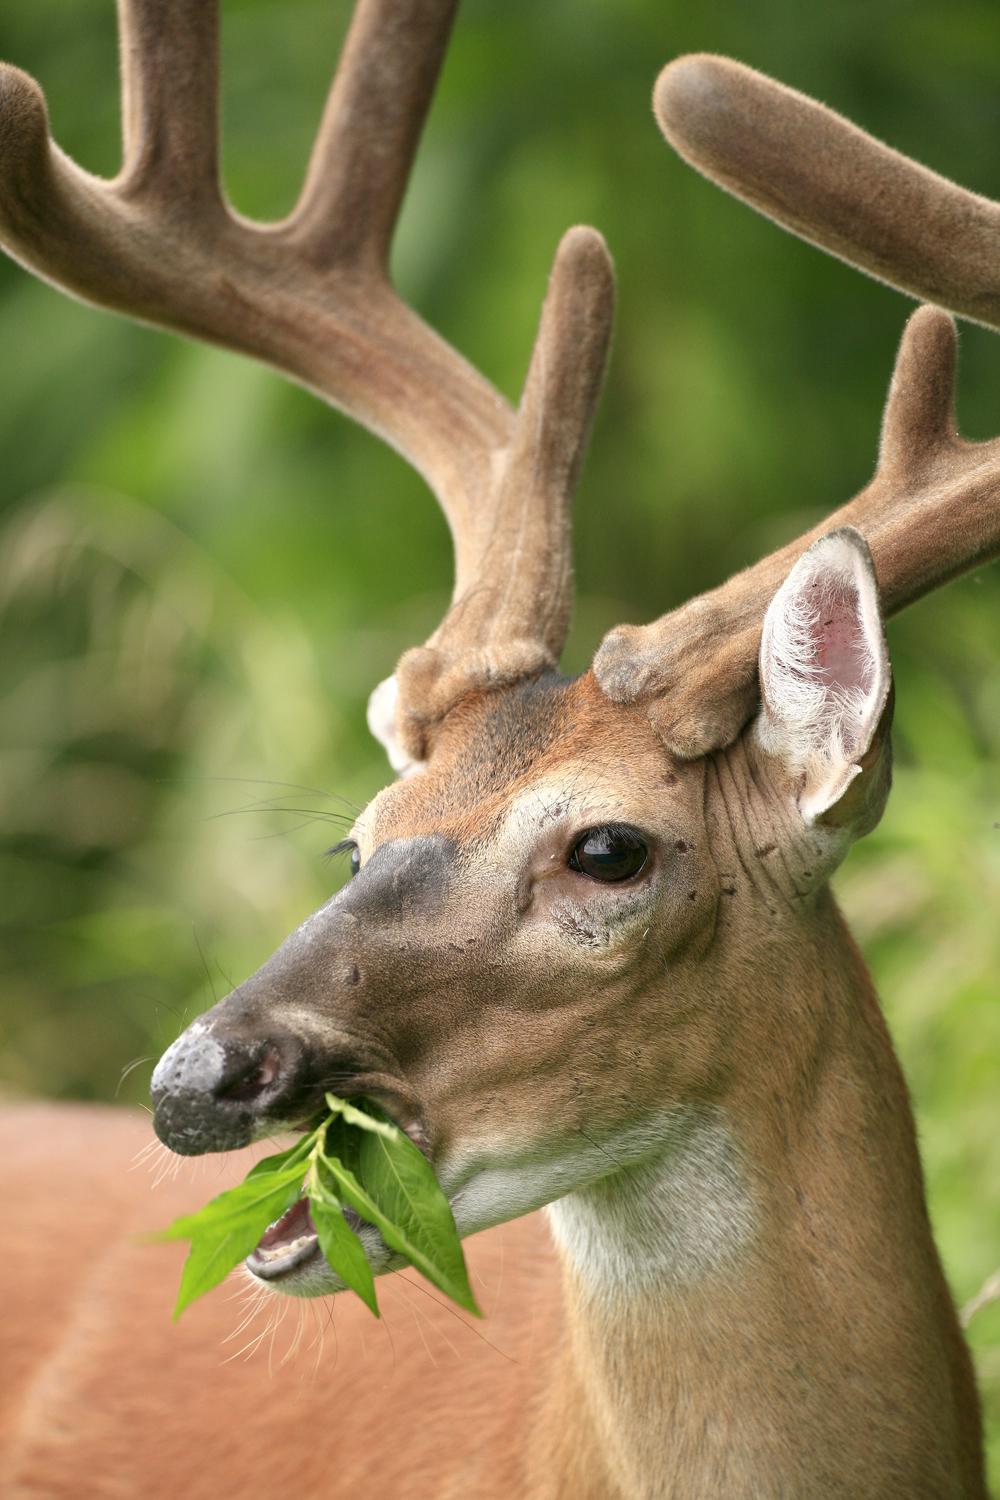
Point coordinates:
pixel 823 1359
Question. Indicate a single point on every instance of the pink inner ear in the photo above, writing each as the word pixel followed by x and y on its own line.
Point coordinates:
pixel 843 656
pixel 823 668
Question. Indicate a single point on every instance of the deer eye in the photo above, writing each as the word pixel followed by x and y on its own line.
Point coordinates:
pixel 615 851
pixel 347 846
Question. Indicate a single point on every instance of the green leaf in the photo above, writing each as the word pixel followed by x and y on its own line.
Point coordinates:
pixel 248 1198
pixel 226 1230
pixel 355 1156
pixel 377 1123
pixel 282 1159
pixel 341 1246
pixel 403 1199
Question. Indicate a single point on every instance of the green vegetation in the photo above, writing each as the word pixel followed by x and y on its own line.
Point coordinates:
pixel 355 1158
pixel 203 571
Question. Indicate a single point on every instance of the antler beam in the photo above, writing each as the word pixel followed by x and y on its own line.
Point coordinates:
pixel 311 296
pixel 932 510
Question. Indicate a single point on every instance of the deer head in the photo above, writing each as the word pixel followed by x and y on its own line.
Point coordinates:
pixel 583 906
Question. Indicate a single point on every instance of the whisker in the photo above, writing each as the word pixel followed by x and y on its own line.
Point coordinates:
pixel 448 1308
pixel 420 1329
pixel 168 1166
pixel 323 814
pixel 248 1349
pixel 180 1015
pixel 226 976
pixel 143 1154
pixel 204 962
pixel 294 787
pixel 318 1338
pixel 136 1062
pixel 279 1319
pixel 598 1147
pixel 283 833
pixel 296 1339
pixel 250 1312
pixel 392 1341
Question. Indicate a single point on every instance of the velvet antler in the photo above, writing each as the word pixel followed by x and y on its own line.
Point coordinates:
pixel 311 296
pixel 933 508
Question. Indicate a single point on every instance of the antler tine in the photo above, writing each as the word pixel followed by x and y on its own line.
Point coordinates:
pixel 511 620
pixel 918 420
pixel 54 218
pixel 369 132
pixel 531 531
pixel 170 85
pixel 824 179
pixel 931 512
pixel 933 508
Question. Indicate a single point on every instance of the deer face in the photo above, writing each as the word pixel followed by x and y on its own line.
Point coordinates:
pixel 541 961
pixel 512 901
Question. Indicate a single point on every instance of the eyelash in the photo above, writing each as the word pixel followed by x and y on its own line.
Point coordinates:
pixel 344 847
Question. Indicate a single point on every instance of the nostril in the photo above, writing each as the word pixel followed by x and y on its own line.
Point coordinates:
pixel 246 1078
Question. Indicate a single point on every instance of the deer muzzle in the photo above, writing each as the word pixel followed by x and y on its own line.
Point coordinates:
pixel 214 1090
pixel 307 1022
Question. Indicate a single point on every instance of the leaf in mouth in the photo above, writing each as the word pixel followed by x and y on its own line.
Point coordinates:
pixel 386 1180
pixel 339 1243
pixel 226 1230
pixel 355 1156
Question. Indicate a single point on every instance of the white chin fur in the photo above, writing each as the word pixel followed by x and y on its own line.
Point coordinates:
pixel 675 1218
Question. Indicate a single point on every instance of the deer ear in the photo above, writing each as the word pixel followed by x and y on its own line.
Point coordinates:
pixel 383 724
pixel 825 683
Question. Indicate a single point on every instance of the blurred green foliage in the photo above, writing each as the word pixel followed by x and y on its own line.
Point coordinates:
pixel 203 571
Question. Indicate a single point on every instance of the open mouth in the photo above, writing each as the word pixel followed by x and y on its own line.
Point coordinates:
pixel 290 1242
pixel 286 1244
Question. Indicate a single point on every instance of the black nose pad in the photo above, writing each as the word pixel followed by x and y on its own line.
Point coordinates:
pixel 211 1090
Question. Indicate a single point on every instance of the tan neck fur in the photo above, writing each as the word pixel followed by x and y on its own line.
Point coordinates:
pixel 788 1367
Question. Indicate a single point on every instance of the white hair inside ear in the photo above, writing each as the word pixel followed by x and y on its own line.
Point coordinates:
pixel 824 669
pixel 382 707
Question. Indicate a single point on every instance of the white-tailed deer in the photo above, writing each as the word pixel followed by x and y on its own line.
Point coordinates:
pixel 590 953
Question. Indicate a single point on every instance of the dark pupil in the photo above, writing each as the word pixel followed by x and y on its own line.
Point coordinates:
pixel 610 853
pixel 355 862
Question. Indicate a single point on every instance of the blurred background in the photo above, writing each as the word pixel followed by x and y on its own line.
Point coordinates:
pixel 203 571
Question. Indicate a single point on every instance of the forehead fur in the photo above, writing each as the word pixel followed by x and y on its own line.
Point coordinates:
pixel 494 745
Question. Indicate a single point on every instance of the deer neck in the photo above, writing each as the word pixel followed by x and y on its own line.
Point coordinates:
pixel 759 1310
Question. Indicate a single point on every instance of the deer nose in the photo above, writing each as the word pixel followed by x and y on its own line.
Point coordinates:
pixel 210 1089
